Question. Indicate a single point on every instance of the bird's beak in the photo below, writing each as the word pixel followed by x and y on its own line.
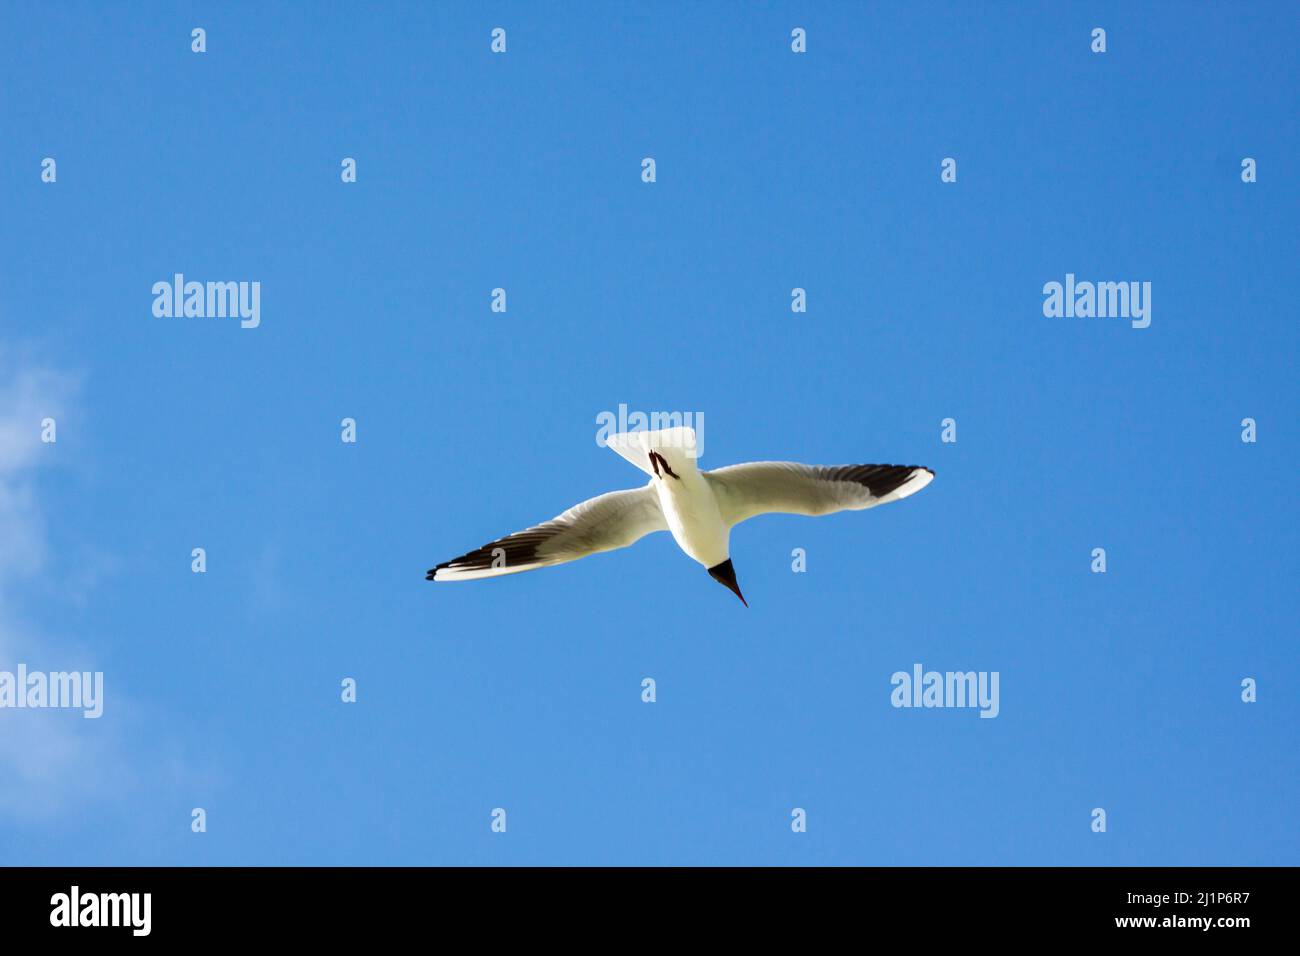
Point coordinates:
pixel 724 573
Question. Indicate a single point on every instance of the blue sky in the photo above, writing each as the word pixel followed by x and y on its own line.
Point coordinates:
pixel 775 170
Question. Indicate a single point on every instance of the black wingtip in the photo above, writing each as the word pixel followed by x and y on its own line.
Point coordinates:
pixel 429 575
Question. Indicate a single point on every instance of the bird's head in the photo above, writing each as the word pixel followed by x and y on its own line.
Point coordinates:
pixel 724 573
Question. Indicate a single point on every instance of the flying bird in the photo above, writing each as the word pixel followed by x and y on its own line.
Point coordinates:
pixel 699 507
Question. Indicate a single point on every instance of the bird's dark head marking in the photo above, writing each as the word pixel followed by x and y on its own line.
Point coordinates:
pixel 724 573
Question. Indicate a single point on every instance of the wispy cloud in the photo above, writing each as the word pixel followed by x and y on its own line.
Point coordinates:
pixel 46 756
pixel 27 396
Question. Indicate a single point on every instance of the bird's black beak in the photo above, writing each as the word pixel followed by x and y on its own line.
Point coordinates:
pixel 724 573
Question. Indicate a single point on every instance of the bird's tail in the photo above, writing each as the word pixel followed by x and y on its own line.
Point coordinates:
pixel 675 448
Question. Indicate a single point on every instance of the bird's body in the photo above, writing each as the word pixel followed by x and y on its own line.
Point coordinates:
pixel 698 507
pixel 692 514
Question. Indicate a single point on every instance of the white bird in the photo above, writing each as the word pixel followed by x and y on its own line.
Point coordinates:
pixel 699 507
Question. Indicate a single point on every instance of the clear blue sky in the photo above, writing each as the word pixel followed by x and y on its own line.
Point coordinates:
pixel 774 171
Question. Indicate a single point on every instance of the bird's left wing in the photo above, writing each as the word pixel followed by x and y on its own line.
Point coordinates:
pixel 786 487
pixel 603 523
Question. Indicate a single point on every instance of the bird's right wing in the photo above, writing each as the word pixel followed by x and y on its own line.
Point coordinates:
pixel 604 523
pixel 786 487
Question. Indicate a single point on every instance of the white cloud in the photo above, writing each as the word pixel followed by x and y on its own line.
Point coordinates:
pixel 47 757
pixel 27 396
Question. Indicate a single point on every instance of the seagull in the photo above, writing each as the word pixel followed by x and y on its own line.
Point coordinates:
pixel 699 507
